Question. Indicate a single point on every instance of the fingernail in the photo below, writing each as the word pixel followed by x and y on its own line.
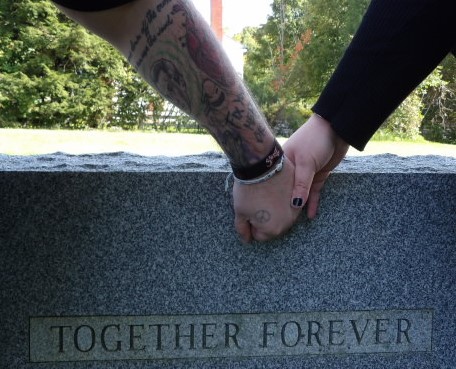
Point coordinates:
pixel 298 202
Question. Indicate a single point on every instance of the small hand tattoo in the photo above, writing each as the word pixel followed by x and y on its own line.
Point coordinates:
pixel 262 216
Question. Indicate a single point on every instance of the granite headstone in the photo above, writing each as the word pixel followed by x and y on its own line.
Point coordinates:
pixel 120 261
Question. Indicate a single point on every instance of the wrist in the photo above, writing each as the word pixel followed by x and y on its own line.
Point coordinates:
pixel 334 135
pixel 271 164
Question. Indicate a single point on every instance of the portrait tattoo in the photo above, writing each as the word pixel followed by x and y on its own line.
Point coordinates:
pixel 165 76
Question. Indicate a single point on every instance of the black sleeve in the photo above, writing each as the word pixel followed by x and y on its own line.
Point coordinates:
pixel 91 5
pixel 398 43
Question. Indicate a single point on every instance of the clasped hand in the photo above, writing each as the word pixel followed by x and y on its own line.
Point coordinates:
pixel 267 210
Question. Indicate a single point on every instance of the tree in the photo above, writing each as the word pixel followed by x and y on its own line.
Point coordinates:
pixel 136 102
pixel 439 101
pixel 292 56
pixel 290 59
pixel 333 24
pixel 53 73
pixel 271 60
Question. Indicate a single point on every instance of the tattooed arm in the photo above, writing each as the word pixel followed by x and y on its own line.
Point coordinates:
pixel 174 49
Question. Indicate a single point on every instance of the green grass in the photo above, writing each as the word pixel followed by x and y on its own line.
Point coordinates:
pixel 35 142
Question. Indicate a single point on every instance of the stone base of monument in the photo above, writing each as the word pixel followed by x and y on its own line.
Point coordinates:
pixel 119 261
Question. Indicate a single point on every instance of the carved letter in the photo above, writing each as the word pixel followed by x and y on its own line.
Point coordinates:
pixel 266 333
pixel 77 339
pixel 191 335
pixel 159 334
pixel 379 331
pixel 284 335
pixel 134 337
pixel 103 338
pixel 206 335
pixel 60 328
pixel 359 337
pixel 311 333
pixel 333 332
pixel 233 336
pixel 401 331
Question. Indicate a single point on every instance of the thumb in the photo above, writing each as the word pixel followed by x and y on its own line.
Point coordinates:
pixel 304 175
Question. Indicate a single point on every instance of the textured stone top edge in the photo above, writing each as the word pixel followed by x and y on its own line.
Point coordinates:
pixel 208 162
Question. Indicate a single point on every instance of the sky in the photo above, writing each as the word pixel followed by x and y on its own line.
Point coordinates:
pixel 238 14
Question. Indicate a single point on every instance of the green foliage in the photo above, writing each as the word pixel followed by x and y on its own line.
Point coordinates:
pixel 136 103
pixel 333 24
pixel 271 60
pixel 287 118
pixel 439 100
pixel 429 110
pixel 406 120
pixel 53 73
pixel 290 59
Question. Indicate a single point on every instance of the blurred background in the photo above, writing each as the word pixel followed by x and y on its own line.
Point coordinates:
pixel 60 85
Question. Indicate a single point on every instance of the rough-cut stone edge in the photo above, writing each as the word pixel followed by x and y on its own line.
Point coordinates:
pixel 209 162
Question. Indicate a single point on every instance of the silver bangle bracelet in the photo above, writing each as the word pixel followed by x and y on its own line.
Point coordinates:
pixel 276 169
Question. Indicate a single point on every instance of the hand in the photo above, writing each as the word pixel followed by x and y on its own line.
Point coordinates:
pixel 263 211
pixel 315 149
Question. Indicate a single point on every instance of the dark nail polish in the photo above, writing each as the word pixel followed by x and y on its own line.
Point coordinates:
pixel 298 202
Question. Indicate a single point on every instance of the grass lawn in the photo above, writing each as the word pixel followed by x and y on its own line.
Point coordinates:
pixel 35 142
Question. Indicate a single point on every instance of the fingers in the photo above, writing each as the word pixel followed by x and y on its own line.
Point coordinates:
pixel 243 228
pixel 248 233
pixel 260 236
pixel 314 195
pixel 262 210
pixel 312 205
pixel 250 230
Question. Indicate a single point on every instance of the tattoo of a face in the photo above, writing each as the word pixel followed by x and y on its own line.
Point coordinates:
pixel 262 216
pixel 221 107
pixel 213 97
pixel 170 83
